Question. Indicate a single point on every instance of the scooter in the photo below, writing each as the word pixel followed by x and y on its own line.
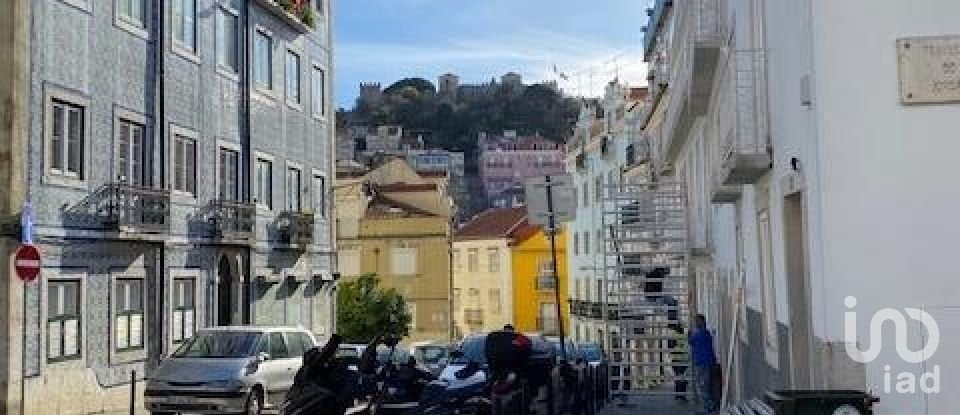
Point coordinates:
pixel 324 385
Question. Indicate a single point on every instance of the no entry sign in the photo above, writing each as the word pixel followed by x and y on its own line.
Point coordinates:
pixel 26 262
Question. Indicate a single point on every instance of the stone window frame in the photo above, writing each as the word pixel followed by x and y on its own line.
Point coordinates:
pixel 128 354
pixel 288 51
pixel 225 70
pixel 269 91
pixel 218 179
pixel 141 30
pixel 320 115
pixel 198 287
pixel 63 274
pixel 83 5
pixel 52 94
pixel 120 115
pixel 321 213
pixel 255 178
pixel 182 195
pixel 292 165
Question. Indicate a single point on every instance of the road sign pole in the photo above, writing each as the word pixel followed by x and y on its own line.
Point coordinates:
pixel 552 231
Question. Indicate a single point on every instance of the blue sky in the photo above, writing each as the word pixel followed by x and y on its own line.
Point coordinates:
pixel 386 40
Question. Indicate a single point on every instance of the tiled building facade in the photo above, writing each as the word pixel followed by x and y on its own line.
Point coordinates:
pixel 178 158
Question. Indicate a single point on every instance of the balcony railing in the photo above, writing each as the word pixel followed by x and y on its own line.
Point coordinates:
pixel 296 227
pixel 135 209
pixel 234 220
pixel 745 153
pixel 473 316
pixel 297 13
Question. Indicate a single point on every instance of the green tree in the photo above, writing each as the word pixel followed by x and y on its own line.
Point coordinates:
pixel 365 310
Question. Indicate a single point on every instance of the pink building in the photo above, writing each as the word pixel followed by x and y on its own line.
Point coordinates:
pixel 507 161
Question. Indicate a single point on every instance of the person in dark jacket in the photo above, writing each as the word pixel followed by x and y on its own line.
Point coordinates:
pixel 704 361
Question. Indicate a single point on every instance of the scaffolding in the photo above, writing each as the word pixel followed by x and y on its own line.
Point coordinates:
pixel 647 285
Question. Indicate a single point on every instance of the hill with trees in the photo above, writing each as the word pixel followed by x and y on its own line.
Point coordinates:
pixel 453 123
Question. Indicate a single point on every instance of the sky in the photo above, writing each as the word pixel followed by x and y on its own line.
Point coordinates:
pixel 589 41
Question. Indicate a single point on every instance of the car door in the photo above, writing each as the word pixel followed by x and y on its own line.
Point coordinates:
pixel 298 343
pixel 278 369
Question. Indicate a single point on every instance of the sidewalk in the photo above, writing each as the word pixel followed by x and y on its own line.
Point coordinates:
pixel 650 405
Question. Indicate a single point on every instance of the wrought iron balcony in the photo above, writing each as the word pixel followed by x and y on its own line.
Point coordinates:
pixel 135 209
pixel 745 152
pixel 234 221
pixel 546 282
pixel 297 14
pixel 296 227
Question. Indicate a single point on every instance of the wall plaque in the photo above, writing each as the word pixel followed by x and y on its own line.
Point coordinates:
pixel 929 69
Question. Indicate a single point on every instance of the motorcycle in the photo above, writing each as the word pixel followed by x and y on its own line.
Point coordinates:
pixel 324 385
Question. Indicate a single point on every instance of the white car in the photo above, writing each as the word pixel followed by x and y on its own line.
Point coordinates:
pixel 228 370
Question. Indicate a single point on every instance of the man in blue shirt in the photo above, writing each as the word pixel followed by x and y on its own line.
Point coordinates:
pixel 704 360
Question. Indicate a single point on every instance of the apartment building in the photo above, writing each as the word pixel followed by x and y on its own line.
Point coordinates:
pixel 605 148
pixel 174 159
pixel 506 161
pixel 483 270
pixel 814 140
pixel 396 223
pixel 538 291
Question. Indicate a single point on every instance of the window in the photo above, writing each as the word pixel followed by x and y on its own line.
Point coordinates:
pixel 412 309
pixel 598 188
pixel 184 308
pixel 493 257
pixel 349 262
pixel 227 55
pixel 457 266
pixel 586 242
pixel 277 347
pixel 576 243
pixel 318 4
pixel 132 11
pixel 229 183
pixel 496 303
pixel 473 293
pixel 586 192
pixel 293 77
pixel 63 320
pixel 184 164
pixel 131 168
pixel 320 195
pixel 298 342
pixel 456 298
pixel 128 303
pixel 184 24
pixel 294 187
pixel 599 241
pixel 262 60
pixel 263 195
pixel 473 260
pixel 403 261
pixel 317 88
pixel 66 139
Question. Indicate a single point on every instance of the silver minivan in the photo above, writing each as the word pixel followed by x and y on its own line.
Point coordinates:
pixel 228 370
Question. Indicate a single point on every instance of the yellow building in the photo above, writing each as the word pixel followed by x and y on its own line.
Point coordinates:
pixel 395 223
pixel 482 271
pixel 534 285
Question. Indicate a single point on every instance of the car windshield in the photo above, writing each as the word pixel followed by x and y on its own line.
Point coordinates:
pixel 592 353
pixel 347 352
pixel 430 354
pixel 472 349
pixel 400 356
pixel 220 344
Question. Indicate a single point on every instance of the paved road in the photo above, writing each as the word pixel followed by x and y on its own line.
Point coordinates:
pixel 651 406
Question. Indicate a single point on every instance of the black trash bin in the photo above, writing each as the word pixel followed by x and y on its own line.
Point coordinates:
pixel 820 402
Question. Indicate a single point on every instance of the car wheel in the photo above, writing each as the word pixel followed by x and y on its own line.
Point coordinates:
pixel 254 403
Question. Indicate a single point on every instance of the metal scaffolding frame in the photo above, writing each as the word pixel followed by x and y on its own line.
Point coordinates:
pixel 647 287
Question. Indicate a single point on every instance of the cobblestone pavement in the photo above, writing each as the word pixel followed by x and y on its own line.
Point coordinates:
pixel 652 405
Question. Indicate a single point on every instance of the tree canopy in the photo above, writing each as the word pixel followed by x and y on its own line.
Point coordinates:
pixel 365 310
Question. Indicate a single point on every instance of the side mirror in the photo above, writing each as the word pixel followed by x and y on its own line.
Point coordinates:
pixel 263 356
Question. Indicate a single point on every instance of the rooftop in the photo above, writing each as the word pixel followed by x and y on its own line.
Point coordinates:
pixel 492 223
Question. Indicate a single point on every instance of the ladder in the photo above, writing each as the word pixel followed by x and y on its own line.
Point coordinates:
pixel 646 283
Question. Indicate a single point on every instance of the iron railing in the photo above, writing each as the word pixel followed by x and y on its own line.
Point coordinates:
pixel 136 209
pixel 296 227
pixel 750 107
pixel 234 220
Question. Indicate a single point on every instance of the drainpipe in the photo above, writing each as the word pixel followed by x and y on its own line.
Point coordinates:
pixel 247 145
pixel 159 121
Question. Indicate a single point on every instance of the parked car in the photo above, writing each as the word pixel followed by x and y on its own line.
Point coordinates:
pixel 432 356
pixel 593 353
pixel 228 370
pixel 573 372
